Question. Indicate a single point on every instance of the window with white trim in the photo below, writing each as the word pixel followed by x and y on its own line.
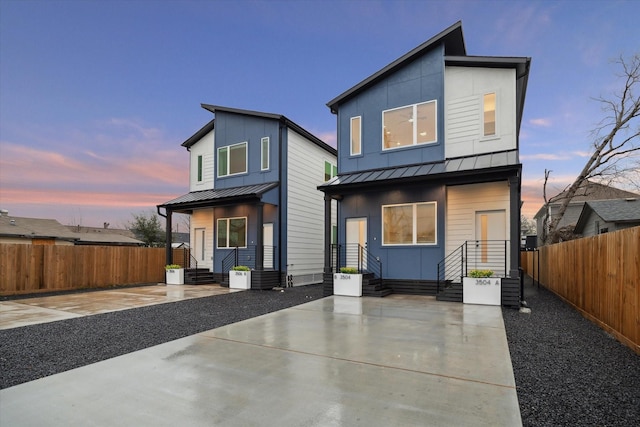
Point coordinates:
pixel 411 125
pixel 200 168
pixel 356 136
pixel 489 114
pixel 264 153
pixel 232 232
pixel 409 224
pixel 232 159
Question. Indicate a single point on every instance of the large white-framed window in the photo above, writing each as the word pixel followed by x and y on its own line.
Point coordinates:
pixel 356 136
pixel 409 224
pixel 330 170
pixel 232 159
pixel 489 117
pixel 410 125
pixel 232 232
pixel 264 153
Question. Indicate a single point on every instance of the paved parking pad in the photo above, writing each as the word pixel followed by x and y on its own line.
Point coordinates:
pixel 30 311
pixel 337 361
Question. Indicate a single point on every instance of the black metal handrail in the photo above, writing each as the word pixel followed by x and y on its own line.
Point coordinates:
pixel 246 256
pixel 473 255
pixel 356 256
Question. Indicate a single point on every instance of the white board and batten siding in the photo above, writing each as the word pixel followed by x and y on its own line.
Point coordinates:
pixel 203 219
pixel 463 201
pixel 305 209
pixel 205 148
pixel 464 90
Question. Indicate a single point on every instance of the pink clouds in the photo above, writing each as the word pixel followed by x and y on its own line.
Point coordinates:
pixel 124 166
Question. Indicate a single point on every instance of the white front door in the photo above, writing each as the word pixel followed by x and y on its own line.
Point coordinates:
pixel 356 237
pixel 490 251
pixel 267 236
pixel 199 244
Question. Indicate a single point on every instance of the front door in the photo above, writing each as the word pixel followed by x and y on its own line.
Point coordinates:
pixel 356 242
pixel 199 244
pixel 490 250
pixel 267 236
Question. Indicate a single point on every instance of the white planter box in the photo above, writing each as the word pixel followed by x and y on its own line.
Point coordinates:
pixel 175 276
pixel 347 284
pixel 485 290
pixel 239 279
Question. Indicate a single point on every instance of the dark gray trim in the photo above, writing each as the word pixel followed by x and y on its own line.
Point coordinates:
pixel 199 134
pixel 271 116
pixel 453 41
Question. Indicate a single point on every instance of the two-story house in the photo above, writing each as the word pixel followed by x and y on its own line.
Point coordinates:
pixel 252 197
pixel 429 178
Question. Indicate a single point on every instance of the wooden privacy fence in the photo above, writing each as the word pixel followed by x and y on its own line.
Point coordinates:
pixel 26 269
pixel 598 275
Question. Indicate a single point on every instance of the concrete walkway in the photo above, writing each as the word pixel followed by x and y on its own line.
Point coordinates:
pixel 31 311
pixel 338 361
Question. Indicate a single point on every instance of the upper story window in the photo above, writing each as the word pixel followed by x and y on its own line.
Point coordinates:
pixel 232 159
pixel 489 114
pixel 409 224
pixel 356 136
pixel 410 125
pixel 330 171
pixel 264 153
pixel 232 232
pixel 200 168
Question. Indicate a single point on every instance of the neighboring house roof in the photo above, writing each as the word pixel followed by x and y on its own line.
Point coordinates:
pixel 103 230
pixel 456 166
pixel 205 198
pixel 34 228
pixel 41 228
pixel 615 211
pixel 588 191
pixel 278 117
pixel 452 39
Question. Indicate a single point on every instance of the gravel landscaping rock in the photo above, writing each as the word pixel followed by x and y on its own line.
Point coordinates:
pixel 568 371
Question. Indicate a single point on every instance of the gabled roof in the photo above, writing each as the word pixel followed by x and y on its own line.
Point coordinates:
pixel 454 167
pixel 616 211
pixel 452 39
pixel 205 198
pixel 589 190
pixel 278 117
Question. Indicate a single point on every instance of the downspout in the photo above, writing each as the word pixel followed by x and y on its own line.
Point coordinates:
pixel 280 196
pixel 168 240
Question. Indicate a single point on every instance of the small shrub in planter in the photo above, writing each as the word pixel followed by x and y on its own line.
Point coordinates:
pixel 348 270
pixel 240 277
pixel 480 273
pixel 172 266
pixel 241 268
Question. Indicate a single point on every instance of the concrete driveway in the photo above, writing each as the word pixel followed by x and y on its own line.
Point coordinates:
pixel 337 361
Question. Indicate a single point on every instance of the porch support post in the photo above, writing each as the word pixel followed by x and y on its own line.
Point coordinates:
pixel 514 226
pixel 260 236
pixel 327 234
pixel 168 248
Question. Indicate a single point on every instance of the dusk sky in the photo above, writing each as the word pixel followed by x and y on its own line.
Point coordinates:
pixel 97 96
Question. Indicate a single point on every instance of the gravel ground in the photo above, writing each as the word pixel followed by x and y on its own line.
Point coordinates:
pixel 31 352
pixel 567 370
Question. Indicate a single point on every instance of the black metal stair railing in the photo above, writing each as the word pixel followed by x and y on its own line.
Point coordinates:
pixel 355 256
pixel 474 255
pixel 247 257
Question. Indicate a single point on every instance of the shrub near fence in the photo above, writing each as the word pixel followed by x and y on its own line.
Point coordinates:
pixel 26 269
pixel 600 276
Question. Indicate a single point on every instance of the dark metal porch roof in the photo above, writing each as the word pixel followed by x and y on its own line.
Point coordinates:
pixel 460 166
pixel 204 198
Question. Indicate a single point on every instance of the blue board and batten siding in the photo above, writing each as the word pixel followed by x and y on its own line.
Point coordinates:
pixel 420 81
